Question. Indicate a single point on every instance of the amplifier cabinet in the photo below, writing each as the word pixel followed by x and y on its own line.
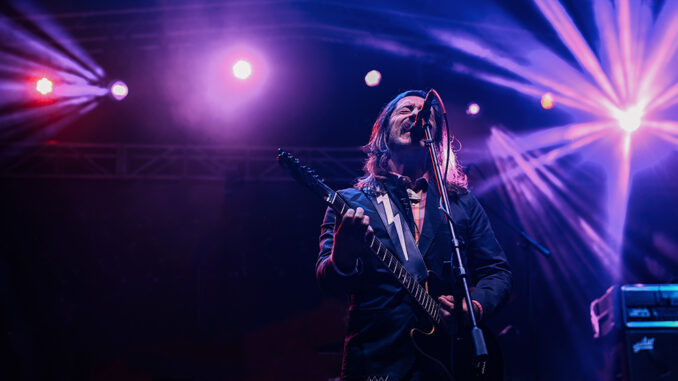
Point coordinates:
pixel 652 354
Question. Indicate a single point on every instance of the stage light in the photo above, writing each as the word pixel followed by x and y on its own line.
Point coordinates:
pixel 547 101
pixel 372 78
pixel 630 119
pixel 472 109
pixel 44 86
pixel 119 90
pixel 242 69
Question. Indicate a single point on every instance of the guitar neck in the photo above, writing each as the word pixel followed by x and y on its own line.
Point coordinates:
pixel 385 256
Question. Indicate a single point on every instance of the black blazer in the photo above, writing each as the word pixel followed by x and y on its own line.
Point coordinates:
pixel 381 312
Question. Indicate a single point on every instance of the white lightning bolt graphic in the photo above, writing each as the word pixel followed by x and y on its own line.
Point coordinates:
pixel 390 218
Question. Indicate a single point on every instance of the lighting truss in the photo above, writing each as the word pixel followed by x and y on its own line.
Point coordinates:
pixel 170 162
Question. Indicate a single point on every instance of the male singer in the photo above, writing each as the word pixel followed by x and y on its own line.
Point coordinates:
pixel 397 201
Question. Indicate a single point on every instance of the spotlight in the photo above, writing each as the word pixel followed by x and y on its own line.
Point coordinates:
pixel 630 119
pixel 372 78
pixel 242 69
pixel 44 86
pixel 119 90
pixel 547 101
pixel 472 109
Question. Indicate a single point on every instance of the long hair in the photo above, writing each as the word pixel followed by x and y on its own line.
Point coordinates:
pixel 378 152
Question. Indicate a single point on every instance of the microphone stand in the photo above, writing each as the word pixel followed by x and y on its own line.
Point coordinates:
pixel 480 348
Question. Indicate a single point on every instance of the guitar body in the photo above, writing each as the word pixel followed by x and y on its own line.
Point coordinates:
pixel 451 358
pixel 435 346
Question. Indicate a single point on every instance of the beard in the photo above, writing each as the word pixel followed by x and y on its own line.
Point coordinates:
pixel 404 138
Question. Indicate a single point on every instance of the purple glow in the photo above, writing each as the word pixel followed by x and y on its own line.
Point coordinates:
pixel 540 188
pixel 572 38
pixel 668 127
pixel 372 78
pixel 618 192
pixel 85 66
pixel 31 45
pixel 119 90
pixel 213 92
pixel 565 81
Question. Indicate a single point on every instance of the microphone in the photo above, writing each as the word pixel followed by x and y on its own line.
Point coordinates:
pixel 424 114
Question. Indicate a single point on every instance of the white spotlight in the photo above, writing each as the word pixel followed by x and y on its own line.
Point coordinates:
pixel 630 119
pixel 472 109
pixel 242 69
pixel 119 90
pixel 44 86
pixel 372 78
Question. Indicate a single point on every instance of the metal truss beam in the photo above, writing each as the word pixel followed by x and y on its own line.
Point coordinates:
pixel 170 162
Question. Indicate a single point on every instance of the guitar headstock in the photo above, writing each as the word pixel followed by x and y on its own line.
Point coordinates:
pixel 304 174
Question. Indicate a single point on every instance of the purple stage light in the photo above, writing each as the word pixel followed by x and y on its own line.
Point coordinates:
pixel 43 57
pixel 119 90
pixel 472 109
pixel 242 69
pixel 44 86
pixel 628 80
pixel 372 78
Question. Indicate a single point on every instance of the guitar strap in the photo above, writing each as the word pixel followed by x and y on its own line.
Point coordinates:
pixel 400 234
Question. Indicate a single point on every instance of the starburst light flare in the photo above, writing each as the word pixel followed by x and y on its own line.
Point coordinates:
pixel 618 89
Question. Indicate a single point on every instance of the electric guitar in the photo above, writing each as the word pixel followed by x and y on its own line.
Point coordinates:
pixel 432 341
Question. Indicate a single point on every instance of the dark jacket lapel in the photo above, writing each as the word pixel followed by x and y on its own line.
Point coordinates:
pixel 357 199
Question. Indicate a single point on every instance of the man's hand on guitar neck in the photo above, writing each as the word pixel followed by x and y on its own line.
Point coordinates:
pixel 349 239
pixel 447 306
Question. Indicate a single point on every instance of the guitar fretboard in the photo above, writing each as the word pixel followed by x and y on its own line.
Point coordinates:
pixel 392 263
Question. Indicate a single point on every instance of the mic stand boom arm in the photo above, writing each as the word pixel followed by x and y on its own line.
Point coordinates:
pixel 480 348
